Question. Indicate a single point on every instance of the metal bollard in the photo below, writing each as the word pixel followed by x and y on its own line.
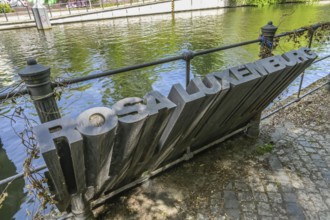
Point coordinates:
pixel 328 86
pixel 267 38
pixel 37 80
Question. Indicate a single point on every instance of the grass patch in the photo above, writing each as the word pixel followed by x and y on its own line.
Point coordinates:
pixel 263 149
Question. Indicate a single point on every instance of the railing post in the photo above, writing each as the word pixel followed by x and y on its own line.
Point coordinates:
pixel 4 12
pixel 172 6
pixel 267 38
pixel 27 8
pixel 37 80
pixel 188 56
pixel 311 34
pixel 50 11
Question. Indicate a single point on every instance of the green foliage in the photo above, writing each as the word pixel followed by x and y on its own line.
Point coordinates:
pixel 4 7
pixel 261 3
pixel 109 4
pixel 266 148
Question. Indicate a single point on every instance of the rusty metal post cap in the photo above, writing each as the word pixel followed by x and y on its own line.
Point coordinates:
pixel 33 69
pixel 269 29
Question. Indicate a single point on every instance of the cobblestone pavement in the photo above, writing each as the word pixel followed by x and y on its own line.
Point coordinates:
pixel 285 174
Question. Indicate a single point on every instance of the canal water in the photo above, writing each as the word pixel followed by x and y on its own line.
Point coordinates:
pixel 82 49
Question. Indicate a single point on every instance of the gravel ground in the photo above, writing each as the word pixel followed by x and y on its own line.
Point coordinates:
pixel 284 174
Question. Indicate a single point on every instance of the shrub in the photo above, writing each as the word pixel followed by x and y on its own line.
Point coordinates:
pixel 4 7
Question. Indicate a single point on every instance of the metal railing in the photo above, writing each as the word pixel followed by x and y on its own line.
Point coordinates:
pixel 187 57
pixel 80 7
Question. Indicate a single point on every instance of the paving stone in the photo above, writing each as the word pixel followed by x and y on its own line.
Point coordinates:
pixel 304 143
pixel 310 150
pixel 305 158
pixel 302 195
pixel 257 187
pixel 323 143
pixel 307 205
pixel 278 209
pixel 271 187
pixel 311 215
pixel 326 175
pixel 303 171
pixel 297 182
pixel 200 216
pixel 281 217
pixel 264 209
pixel 315 157
pixel 245 196
pixel 233 214
pixel 249 216
pixel 275 163
pixel 261 197
pixel 294 211
pixel 316 176
pixel 311 167
pixel 302 152
pixel 327 201
pixel 321 183
pixel 323 152
pixel 229 186
pixel 248 207
pixel 325 192
pixel 324 215
pixel 275 197
pixel 242 186
pixel 289 197
pixel 230 200
pixel 320 163
pixel 318 202
pixel 286 188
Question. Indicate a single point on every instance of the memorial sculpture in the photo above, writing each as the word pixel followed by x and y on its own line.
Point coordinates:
pixel 105 148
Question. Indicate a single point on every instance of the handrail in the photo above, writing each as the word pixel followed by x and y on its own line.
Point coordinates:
pixel 130 68
pixel 187 56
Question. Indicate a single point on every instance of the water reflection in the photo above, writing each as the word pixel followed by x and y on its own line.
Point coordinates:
pixel 15 192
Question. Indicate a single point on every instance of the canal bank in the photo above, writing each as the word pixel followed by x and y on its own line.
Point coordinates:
pixel 131 11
